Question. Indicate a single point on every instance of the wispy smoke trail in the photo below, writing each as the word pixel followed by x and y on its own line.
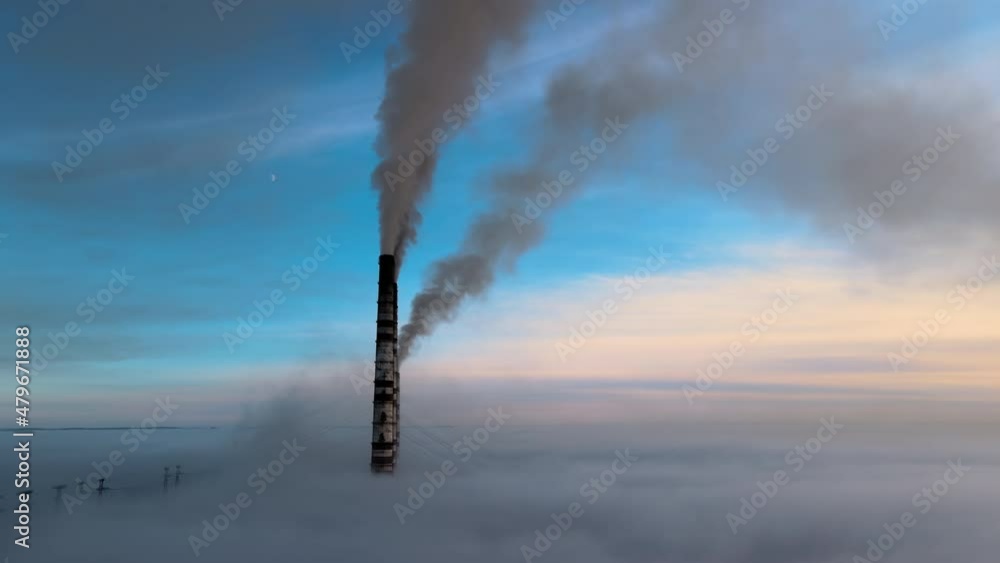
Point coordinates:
pixel 725 99
pixel 442 54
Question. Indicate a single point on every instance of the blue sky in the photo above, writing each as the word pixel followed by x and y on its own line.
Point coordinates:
pixel 119 209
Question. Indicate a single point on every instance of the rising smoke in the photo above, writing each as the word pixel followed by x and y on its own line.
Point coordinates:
pixel 708 108
pixel 441 56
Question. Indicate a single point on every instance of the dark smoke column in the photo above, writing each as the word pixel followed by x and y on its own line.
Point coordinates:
pixel 439 63
pixel 385 431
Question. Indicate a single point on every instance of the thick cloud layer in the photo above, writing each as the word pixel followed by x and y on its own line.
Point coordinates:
pixel 670 504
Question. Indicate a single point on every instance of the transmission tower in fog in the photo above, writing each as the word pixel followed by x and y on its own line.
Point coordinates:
pixel 58 489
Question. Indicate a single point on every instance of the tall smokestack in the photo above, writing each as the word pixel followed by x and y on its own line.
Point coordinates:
pixel 385 431
pixel 395 363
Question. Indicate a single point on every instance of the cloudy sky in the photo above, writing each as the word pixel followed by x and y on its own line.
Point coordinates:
pixel 663 189
pixel 774 250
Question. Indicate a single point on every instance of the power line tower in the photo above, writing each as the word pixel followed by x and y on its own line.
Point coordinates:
pixel 59 493
pixel 101 489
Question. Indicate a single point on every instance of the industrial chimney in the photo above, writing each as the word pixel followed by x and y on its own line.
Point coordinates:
pixel 385 430
pixel 395 363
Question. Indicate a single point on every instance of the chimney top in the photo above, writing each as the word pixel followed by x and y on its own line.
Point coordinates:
pixel 387 268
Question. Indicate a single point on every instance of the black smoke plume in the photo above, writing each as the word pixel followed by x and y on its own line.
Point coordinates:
pixel 442 54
